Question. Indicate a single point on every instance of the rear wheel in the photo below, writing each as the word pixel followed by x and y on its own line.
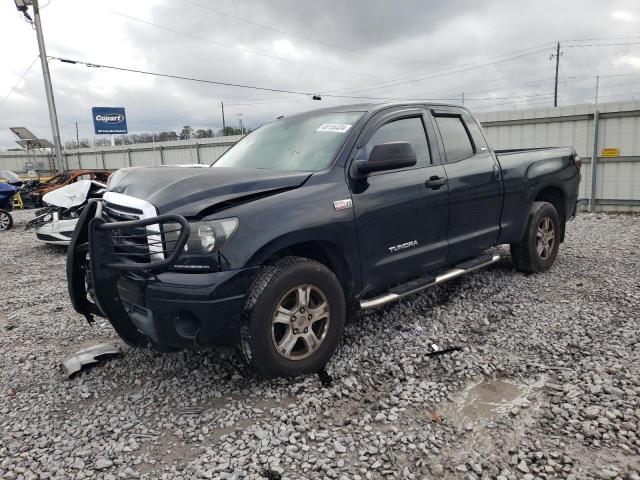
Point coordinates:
pixel 538 249
pixel 294 318
pixel 6 220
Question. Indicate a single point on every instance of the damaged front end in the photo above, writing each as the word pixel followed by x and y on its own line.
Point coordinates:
pixel 99 251
pixel 55 223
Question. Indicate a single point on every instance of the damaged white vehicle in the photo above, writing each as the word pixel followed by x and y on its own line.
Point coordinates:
pixel 55 223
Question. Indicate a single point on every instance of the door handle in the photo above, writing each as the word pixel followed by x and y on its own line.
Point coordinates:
pixel 435 182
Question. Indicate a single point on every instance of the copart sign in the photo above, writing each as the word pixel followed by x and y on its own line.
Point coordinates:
pixel 109 120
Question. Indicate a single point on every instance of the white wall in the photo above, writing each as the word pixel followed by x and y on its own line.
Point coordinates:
pixel 204 151
pixel 618 179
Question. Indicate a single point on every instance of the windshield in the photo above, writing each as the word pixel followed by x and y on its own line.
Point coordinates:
pixel 306 143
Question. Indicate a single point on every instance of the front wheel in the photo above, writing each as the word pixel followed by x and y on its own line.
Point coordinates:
pixel 538 249
pixel 6 220
pixel 294 318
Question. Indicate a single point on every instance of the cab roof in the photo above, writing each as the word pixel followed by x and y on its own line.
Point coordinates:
pixel 373 107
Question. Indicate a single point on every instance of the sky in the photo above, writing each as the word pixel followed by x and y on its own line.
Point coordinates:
pixel 497 54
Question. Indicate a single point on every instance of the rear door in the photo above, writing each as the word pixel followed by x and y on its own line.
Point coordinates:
pixel 401 221
pixel 475 186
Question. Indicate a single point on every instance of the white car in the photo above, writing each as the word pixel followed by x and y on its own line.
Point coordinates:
pixel 56 232
pixel 55 223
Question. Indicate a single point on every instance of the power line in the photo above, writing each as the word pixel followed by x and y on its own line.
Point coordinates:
pixel 438 72
pixel 466 85
pixel 603 39
pixel 20 80
pixel 242 49
pixel 502 58
pixel 445 93
pixel 576 90
pixel 603 76
pixel 459 69
pixel 535 101
pixel 601 44
pixel 256 87
pixel 178 77
pixel 312 40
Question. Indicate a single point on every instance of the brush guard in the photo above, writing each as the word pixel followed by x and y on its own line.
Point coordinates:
pixel 100 251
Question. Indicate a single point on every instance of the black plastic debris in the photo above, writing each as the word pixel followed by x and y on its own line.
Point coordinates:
pixel 270 475
pixel 436 350
pixel 325 379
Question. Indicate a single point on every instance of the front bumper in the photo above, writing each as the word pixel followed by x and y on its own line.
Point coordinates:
pixel 58 232
pixel 146 303
pixel 179 310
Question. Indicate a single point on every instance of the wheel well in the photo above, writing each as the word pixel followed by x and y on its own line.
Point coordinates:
pixel 325 253
pixel 555 197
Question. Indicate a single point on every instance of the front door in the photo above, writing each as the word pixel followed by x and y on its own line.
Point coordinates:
pixel 401 220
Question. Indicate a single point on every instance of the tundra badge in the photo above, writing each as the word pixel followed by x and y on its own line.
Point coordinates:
pixel 402 246
pixel 343 204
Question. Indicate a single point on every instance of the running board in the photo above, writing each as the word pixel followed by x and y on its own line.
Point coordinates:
pixel 422 283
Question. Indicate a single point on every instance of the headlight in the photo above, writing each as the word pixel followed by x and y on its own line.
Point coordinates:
pixel 205 238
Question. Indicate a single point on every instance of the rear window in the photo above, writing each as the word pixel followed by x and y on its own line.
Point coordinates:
pixel 457 144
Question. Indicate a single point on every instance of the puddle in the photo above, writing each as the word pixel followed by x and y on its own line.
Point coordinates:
pixel 489 397
pixel 492 397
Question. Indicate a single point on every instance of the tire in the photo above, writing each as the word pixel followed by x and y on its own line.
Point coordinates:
pixel 267 335
pixel 538 249
pixel 6 220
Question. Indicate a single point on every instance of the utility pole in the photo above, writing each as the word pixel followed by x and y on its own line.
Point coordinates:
pixel 223 124
pixel 594 156
pixel 23 6
pixel 240 122
pixel 555 91
pixel 77 137
pixel 462 98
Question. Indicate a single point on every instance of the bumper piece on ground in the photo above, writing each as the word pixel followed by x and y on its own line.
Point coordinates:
pixel 76 361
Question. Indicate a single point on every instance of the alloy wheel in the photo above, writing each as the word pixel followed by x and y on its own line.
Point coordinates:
pixel 5 221
pixel 545 238
pixel 300 322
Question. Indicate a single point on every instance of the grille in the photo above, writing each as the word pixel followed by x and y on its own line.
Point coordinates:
pixel 133 235
pixel 129 244
pixel 132 243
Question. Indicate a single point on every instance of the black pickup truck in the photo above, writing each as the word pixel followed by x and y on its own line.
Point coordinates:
pixel 308 219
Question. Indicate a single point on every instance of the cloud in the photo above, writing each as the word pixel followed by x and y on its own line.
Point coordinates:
pixel 623 16
pixel 356 48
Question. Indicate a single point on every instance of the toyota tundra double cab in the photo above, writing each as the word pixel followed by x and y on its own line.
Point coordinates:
pixel 308 219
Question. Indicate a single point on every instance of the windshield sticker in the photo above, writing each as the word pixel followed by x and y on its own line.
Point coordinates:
pixel 333 127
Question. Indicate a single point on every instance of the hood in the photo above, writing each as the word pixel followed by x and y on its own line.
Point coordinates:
pixel 71 195
pixel 194 192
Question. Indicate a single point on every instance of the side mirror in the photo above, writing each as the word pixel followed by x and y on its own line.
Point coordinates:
pixel 388 156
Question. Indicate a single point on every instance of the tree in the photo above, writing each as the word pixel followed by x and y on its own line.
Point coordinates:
pixel 186 132
pixel 72 145
pixel 231 131
pixel 166 136
pixel 208 133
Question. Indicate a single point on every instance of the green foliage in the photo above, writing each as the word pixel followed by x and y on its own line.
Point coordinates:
pixel 186 133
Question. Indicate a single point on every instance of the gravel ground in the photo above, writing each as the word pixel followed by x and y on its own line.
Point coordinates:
pixel 547 383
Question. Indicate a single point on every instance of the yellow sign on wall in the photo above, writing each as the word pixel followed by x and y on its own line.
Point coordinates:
pixel 610 152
